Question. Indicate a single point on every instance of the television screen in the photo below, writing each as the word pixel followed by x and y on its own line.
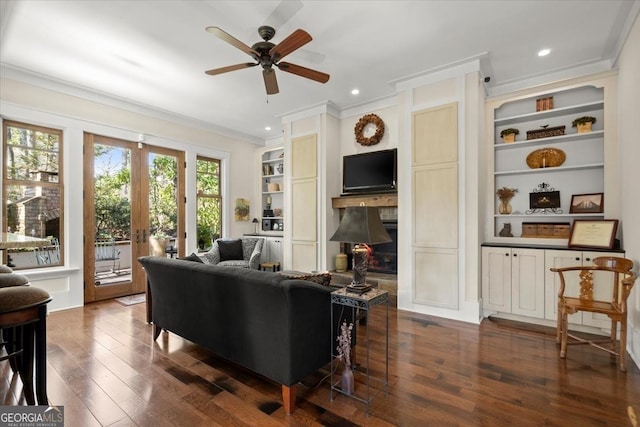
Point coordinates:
pixel 375 171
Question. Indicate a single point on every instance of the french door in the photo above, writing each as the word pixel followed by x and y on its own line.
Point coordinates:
pixel 133 199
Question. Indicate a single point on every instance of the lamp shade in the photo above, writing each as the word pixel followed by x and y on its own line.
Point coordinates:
pixel 361 224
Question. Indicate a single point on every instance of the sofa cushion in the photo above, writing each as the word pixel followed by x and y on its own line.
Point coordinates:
pixel 319 278
pixel 193 257
pixel 235 263
pixel 230 250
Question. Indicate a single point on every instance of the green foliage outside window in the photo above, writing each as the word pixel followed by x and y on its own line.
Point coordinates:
pixel 209 201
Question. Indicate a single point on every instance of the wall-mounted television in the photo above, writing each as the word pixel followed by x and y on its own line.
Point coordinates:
pixel 372 172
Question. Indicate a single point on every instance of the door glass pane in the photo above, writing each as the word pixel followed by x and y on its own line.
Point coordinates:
pixel 163 204
pixel 112 201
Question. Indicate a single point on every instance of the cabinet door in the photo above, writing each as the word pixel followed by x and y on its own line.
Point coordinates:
pixel 275 249
pixel 560 259
pixel 496 279
pixel 527 282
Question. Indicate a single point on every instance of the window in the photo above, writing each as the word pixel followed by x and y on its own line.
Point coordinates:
pixel 32 189
pixel 209 201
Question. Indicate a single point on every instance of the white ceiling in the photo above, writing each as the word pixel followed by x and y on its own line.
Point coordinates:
pixel 154 53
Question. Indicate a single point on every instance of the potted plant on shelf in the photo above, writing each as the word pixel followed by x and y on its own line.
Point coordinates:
pixel 509 134
pixel 583 123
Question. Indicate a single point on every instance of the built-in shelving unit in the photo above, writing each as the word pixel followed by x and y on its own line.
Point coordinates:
pixel 581 173
pixel 272 186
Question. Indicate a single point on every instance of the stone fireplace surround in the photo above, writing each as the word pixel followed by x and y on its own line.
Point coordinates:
pixel 388 208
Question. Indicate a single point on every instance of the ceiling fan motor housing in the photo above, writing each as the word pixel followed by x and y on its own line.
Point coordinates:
pixel 263 49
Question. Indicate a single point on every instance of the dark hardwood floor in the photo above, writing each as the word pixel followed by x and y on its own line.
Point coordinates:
pixel 105 369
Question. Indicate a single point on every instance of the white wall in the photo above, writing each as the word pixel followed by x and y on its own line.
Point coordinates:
pixel 74 115
pixel 629 152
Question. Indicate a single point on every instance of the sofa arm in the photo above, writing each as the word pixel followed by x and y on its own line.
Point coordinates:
pixel 254 260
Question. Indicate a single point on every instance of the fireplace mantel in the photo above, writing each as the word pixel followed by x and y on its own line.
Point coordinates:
pixel 386 200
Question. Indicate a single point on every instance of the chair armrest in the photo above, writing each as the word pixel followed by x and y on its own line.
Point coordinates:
pixel 254 260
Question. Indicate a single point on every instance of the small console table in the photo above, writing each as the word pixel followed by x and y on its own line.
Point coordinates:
pixel 365 301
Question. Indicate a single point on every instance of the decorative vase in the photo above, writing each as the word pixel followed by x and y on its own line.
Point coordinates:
pixel 347 380
pixel 584 127
pixel 341 263
pixel 505 207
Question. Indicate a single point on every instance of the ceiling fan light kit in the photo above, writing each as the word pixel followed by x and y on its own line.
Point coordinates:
pixel 268 54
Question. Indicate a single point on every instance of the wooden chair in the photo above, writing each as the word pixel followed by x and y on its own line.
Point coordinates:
pixel 608 272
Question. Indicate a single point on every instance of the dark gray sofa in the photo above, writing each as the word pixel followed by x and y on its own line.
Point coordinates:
pixel 274 326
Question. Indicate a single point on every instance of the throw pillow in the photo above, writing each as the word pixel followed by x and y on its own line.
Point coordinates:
pixel 193 257
pixel 230 250
pixel 323 279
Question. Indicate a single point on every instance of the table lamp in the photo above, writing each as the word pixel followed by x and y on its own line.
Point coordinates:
pixel 255 225
pixel 361 226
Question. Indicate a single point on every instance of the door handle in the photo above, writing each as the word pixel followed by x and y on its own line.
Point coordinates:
pixel 137 236
pixel 144 236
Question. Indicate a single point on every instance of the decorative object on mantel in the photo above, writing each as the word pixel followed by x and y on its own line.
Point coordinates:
pixel 341 263
pixel 544 104
pixel 545 132
pixel 506 230
pixel 344 355
pixel 505 194
pixel 546 158
pixel 583 123
pixel 362 124
pixel 544 199
pixel 509 134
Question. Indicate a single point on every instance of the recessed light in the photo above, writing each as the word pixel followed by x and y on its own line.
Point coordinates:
pixel 267 128
pixel 355 91
pixel 544 52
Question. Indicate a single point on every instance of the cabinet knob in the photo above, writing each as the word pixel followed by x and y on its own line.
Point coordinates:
pixel 507 254
pixel 577 259
pixel 515 254
pixel 587 259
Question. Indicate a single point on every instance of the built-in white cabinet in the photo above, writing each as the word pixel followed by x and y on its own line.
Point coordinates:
pixel 513 280
pixel 575 258
pixel 517 281
pixel 272 249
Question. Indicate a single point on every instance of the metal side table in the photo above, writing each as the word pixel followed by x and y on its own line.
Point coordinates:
pixel 364 302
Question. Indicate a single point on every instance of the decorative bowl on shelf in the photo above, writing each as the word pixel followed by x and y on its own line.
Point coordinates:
pixel 546 158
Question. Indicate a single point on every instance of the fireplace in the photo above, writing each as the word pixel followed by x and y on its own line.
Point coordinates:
pixel 384 256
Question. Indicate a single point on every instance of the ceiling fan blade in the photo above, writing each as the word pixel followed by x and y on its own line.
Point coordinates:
pixel 231 40
pixel 216 71
pixel 270 82
pixel 296 40
pixel 303 72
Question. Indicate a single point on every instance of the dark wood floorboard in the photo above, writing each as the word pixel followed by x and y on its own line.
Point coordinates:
pixel 106 370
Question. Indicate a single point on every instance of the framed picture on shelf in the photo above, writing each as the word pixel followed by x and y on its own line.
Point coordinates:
pixel 587 203
pixel 544 200
pixel 593 233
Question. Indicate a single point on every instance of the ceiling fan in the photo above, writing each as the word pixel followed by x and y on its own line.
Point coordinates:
pixel 268 54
